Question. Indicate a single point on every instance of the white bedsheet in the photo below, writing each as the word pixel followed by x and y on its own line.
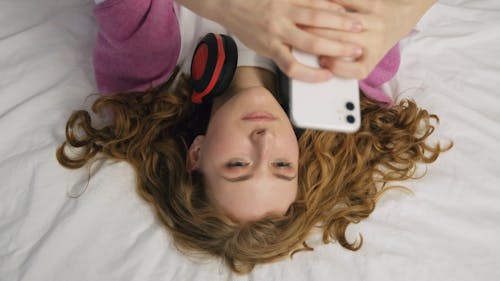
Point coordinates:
pixel 449 230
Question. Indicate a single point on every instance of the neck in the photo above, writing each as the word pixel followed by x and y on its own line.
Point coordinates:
pixel 246 77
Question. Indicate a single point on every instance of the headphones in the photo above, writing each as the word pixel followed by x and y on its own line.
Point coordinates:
pixel 213 66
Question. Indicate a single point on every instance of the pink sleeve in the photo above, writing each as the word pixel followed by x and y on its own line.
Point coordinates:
pixel 137 46
pixel 385 70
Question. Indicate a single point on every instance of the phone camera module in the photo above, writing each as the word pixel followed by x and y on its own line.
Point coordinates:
pixel 349 106
pixel 351 119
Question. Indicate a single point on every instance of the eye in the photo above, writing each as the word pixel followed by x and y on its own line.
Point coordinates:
pixel 237 164
pixel 282 164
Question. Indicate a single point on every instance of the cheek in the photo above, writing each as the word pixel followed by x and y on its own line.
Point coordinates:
pixel 221 144
pixel 291 145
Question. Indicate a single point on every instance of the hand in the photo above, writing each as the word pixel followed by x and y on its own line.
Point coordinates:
pixel 273 27
pixel 385 22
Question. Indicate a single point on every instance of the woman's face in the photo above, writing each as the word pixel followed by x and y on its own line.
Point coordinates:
pixel 249 156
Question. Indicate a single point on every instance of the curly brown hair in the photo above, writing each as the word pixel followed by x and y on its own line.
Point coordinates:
pixel 340 175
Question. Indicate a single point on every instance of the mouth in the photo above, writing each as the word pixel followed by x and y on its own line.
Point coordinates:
pixel 258 116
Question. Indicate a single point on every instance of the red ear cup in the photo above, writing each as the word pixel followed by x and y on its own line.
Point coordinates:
pixel 212 68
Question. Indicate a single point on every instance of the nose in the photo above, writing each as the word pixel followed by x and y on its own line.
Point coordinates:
pixel 259 132
pixel 261 138
pixel 259 135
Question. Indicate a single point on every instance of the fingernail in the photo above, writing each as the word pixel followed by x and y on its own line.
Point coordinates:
pixel 356 26
pixel 357 51
pixel 341 10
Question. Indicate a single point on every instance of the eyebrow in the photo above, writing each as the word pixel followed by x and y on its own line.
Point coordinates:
pixel 249 176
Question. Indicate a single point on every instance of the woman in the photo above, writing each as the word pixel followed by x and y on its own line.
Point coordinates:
pixel 233 183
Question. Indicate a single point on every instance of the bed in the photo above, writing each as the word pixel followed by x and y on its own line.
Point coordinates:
pixel 447 230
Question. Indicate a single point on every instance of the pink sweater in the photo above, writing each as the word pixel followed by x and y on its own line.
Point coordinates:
pixel 138 45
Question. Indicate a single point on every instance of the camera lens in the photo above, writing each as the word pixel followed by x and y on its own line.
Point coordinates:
pixel 349 105
pixel 351 119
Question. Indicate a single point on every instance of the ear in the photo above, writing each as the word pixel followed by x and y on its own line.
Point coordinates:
pixel 194 153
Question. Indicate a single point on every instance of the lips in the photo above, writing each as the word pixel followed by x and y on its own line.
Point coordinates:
pixel 258 116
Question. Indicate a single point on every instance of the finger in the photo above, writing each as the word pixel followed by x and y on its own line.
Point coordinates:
pixel 295 70
pixel 372 25
pixel 345 68
pixel 361 6
pixel 310 43
pixel 337 35
pixel 327 19
pixel 321 4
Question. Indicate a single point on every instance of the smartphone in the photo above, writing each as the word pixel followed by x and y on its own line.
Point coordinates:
pixel 333 105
